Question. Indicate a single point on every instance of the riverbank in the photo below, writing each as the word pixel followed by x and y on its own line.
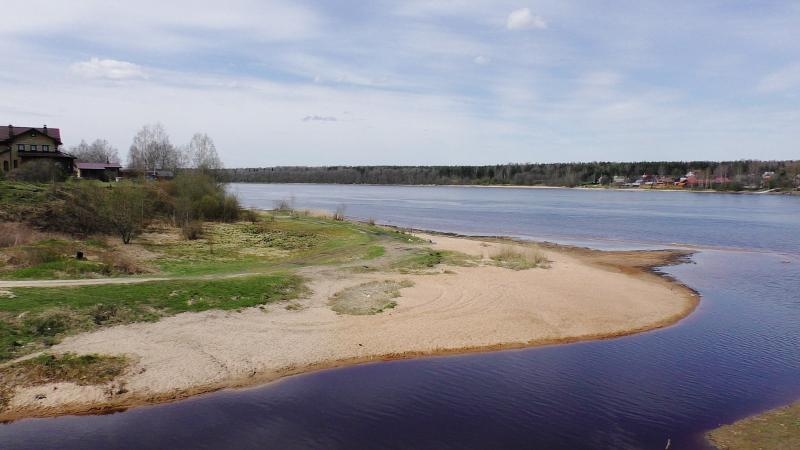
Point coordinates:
pixel 462 303
pixel 777 429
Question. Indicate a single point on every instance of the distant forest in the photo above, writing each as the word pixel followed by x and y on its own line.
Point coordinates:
pixel 728 174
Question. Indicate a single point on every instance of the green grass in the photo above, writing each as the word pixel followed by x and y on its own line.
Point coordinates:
pixel 291 241
pixel 38 317
pixel 368 298
pixel 43 369
pixel 425 259
pixel 375 251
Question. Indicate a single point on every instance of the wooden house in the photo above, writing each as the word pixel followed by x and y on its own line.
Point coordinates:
pixel 21 145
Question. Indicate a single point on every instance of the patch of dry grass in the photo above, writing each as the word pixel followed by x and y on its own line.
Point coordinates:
pixel 368 298
pixel 517 258
pixel 14 234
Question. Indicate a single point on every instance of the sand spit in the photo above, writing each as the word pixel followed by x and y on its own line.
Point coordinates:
pixel 584 294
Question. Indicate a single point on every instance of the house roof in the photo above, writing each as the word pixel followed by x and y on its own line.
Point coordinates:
pixel 96 166
pixel 9 132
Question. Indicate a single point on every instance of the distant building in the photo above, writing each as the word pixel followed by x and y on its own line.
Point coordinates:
pixel 160 175
pixel 20 145
pixel 107 171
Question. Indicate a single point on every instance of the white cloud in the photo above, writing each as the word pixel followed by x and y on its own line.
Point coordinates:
pixel 109 69
pixel 482 60
pixel 781 81
pixel 522 19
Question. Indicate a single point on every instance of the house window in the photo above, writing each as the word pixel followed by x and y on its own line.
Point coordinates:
pixel 33 147
pixel 45 148
pixel 15 163
pixel 5 166
pixel 21 147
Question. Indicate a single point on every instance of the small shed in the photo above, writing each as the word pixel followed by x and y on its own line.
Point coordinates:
pixel 97 171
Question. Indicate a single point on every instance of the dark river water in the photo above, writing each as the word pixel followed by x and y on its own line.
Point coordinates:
pixel 738 354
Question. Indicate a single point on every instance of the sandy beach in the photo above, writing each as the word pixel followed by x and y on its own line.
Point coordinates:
pixel 583 295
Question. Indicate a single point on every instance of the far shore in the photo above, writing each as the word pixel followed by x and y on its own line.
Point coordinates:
pixel 583 295
pixel 515 186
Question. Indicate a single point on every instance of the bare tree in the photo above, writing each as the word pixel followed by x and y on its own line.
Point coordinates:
pixel 151 150
pixel 202 153
pixel 99 151
pixel 127 210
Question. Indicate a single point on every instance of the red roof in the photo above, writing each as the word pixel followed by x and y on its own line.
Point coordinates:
pixel 96 166
pixel 8 132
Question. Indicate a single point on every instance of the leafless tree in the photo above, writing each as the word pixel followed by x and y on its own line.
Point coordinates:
pixel 202 153
pixel 151 150
pixel 99 151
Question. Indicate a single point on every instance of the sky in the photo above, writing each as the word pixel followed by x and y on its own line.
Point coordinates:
pixel 413 82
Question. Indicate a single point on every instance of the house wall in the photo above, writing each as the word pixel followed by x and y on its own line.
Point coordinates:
pixel 38 139
pixel 7 159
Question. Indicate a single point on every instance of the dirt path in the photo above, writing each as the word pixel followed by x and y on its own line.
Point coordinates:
pixel 7 284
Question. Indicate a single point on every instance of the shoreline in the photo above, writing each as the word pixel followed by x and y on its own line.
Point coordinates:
pixel 639 265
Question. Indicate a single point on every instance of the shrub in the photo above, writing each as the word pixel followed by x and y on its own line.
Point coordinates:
pixel 34 256
pixel 192 230
pixel 42 171
pixel 126 210
pixel 116 262
pixel 519 259
pixel 198 196
pixel 339 213
pixel 284 205
pixel 250 215
pixel 76 209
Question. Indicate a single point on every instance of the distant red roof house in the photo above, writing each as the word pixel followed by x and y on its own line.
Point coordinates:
pixel 19 145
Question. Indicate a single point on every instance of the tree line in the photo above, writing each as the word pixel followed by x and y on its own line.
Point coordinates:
pixel 151 150
pixel 734 174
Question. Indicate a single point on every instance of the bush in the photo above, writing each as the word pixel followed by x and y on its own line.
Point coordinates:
pixel 192 230
pixel 339 213
pixel 198 196
pixel 519 258
pixel 250 215
pixel 77 209
pixel 41 171
pixel 116 262
pixel 127 210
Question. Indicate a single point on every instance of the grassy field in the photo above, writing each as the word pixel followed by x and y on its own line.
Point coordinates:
pixel 36 318
pixel 775 430
pixel 233 265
